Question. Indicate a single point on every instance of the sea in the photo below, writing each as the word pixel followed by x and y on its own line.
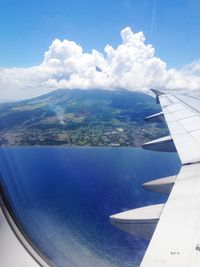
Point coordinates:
pixel 63 197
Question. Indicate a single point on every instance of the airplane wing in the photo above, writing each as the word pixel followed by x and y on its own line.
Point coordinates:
pixel 182 115
pixel 175 238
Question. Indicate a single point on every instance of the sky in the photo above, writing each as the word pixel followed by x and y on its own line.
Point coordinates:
pixel 132 44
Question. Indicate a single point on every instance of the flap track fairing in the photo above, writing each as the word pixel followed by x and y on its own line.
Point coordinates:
pixel 140 222
pixel 164 144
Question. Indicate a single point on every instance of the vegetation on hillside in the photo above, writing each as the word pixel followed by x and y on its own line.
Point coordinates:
pixel 80 117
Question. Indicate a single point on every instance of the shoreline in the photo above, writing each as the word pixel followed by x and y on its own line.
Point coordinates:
pixel 64 146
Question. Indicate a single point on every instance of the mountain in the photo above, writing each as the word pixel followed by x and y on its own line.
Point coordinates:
pixel 80 117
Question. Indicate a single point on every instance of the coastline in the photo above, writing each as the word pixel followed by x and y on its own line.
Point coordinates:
pixel 65 146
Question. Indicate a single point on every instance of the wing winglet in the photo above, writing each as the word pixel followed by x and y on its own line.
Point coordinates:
pixel 157 93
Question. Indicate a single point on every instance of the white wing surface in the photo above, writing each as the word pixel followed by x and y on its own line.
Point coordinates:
pixel 175 238
pixel 182 115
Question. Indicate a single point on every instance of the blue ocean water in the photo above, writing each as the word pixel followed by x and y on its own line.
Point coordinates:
pixel 63 198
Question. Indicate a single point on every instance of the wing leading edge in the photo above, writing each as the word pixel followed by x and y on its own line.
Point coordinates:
pixel 176 235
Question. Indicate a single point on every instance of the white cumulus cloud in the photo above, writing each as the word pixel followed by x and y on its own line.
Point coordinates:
pixel 131 65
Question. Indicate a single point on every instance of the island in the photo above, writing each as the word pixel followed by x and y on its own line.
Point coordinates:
pixel 80 117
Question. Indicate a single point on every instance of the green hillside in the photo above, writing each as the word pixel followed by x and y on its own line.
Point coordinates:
pixel 80 117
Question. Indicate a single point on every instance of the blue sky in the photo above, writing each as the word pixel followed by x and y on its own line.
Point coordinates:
pixel 27 28
pixel 46 45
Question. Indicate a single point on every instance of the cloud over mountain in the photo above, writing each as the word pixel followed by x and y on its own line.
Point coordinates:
pixel 132 65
